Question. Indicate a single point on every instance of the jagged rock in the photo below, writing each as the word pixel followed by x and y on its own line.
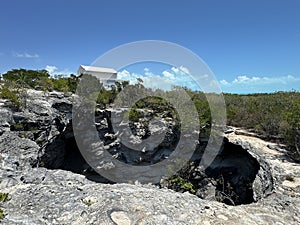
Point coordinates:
pixel 5 117
pixel 17 154
pixel 285 173
pixel 69 191
pixel 65 198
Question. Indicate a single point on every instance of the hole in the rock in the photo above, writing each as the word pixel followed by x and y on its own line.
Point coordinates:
pixel 234 171
pixel 63 153
pixel 229 178
pixel 73 160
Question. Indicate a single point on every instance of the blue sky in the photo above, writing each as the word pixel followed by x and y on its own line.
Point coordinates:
pixel 251 46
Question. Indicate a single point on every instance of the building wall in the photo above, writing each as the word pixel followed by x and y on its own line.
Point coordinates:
pixel 99 75
pixel 107 79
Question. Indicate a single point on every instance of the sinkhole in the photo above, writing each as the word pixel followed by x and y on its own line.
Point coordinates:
pixel 233 170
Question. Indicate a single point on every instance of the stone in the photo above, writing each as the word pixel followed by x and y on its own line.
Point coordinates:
pixel 120 218
pixel 49 181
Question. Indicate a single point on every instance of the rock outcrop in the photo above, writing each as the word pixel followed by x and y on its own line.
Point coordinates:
pixel 49 182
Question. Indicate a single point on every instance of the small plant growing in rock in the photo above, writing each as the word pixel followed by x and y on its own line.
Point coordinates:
pixel 4 197
pixel 41 164
pixel 88 202
pixel 19 126
pixel 226 194
pixel 130 182
pixel 183 184
pixel 289 178
pixel 2 215
pixel 11 95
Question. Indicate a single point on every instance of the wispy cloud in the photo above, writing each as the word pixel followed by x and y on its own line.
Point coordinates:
pixel 254 84
pixel 53 70
pixel 241 84
pixel 165 80
pixel 25 55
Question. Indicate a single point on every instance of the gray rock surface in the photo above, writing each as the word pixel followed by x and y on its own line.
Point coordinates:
pixel 41 136
pixel 64 198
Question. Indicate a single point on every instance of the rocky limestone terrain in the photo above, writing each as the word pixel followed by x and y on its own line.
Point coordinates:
pixel 49 182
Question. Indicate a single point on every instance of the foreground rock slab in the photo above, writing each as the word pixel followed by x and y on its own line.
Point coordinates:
pixel 61 197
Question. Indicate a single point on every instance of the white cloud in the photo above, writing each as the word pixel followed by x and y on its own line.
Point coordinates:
pixel 150 80
pixel 147 72
pixel 241 84
pixel 176 70
pixel 167 74
pixel 224 82
pixel 247 84
pixel 124 75
pixel 184 69
pixel 180 70
pixel 53 70
pixel 26 55
pixel 166 80
pixel 131 77
pixel 246 79
pixel 241 79
pixel 260 80
pixel 175 76
pixel 157 82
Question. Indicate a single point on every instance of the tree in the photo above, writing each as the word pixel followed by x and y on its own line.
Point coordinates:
pixel 26 78
pixel 73 81
pixel 293 119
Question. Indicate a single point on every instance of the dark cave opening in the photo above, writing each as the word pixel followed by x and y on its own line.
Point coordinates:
pixel 234 171
pixel 63 153
pixel 73 160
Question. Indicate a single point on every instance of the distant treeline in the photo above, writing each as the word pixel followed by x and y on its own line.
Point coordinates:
pixel 275 116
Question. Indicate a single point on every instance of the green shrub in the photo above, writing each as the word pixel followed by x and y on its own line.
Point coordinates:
pixel 60 84
pixel 27 78
pixel 11 95
pixel 87 202
pixel 183 184
pixel 2 215
pixel 19 126
pixel 134 115
pixel 289 178
pixel 4 197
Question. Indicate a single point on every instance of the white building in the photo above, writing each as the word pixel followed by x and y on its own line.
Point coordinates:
pixel 107 76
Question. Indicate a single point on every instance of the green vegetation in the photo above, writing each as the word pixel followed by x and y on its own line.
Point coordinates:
pixel 27 78
pixel 4 197
pixel 11 95
pixel 2 215
pixel 18 79
pixel 87 202
pixel 289 178
pixel 19 126
pixel 275 116
pixel 182 184
pixel 14 84
pixel 63 84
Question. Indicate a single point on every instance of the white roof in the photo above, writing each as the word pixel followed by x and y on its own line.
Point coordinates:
pixel 98 69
